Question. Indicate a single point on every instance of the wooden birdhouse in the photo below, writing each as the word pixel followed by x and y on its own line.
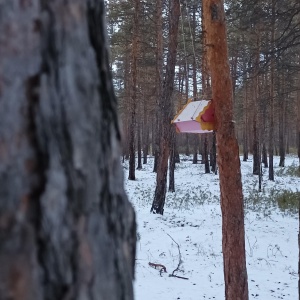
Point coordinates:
pixel 195 117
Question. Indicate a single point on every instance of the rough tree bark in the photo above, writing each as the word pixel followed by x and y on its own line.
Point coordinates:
pixel 67 230
pixel 165 105
pixel 233 242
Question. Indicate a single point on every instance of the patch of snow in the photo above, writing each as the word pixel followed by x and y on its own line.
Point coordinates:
pixel 192 218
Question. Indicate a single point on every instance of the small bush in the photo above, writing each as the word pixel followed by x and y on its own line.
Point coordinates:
pixel 292 170
pixel 288 201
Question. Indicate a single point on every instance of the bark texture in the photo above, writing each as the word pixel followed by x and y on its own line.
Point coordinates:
pixel 67 230
pixel 233 243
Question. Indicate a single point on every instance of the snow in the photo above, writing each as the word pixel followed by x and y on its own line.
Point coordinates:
pixel 192 224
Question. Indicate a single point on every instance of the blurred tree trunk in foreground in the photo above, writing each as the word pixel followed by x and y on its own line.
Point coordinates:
pixel 67 230
pixel 233 232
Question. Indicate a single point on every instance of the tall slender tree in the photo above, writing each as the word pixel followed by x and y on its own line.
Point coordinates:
pixel 159 78
pixel 134 91
pixel 233 242
pixel 165 106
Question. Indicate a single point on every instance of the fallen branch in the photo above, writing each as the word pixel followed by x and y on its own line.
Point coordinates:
pixel 171 275
pixel 158 266
pixel 179 262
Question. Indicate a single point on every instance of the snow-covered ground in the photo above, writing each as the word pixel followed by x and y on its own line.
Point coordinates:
pixel 191 228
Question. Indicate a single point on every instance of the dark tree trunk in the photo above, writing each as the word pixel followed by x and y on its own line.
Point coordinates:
pixel 177 157
pixel 255 95
pixel 264 156
pixel 298 121
pixel 298 135
pixel 281 134
pixel 166 111
pixel 125 139
pixel 146 139
pixel 288 131
pixel 256 154
pixel 133 91
pixel 195 148
pixel 245 140
pixel 187 145
pixel 125 121
pixel 172 161
pixel 205 154
pixel 213 154
pixel 233 232
pixel 195 136
pixel 201 149
pixel 159 80
pixel 67 230
pixel 156 142
pixel 139 147
pixel 299 248
pixel 131 175
pixel 271 101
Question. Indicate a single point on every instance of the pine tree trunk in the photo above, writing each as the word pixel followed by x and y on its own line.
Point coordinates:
pixel 187 145
pixel 133 96
pixel 271 102
pixel 206 93
pixel 67 230
pixel 205 154
pixel 146 139
pixel 195 136
pixel 245 125
pixel 126 115
pixel 256 125
pixel 213 156
pixel 256 154
pixel 264 155
pixel 172 161
pixel 299 249
pixel 156 141
pixel 159 80
pixel 233 242
pixel 298 121
pixel 166 111
pixel 139 146
pixel 177 157
pixel 281 129
pixel 195 148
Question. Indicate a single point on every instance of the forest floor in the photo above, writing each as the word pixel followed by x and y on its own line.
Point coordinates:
pixel 188 236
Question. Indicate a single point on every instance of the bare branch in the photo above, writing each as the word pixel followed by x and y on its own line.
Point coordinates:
pixel 179 261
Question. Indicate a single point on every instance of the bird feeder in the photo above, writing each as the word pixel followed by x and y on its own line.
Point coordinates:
pixel 195 117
